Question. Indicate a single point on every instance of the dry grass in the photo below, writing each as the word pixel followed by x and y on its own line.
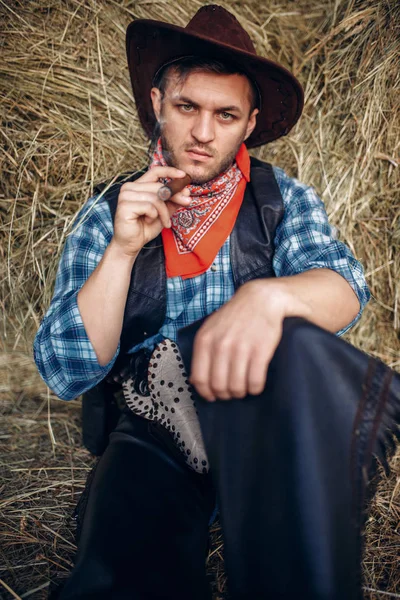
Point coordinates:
pixel 69 122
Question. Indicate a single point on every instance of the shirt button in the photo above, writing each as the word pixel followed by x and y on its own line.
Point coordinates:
pixel 214 267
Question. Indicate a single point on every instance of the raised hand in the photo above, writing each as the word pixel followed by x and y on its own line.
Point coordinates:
pixel 140 214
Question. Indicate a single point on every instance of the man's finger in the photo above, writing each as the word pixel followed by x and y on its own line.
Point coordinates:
pixel 257 372
pixel 130 193
pixel 141 186
pixel 140 197
pixel 200 369
pixel 219 373
pixel 156 173
pixel 150 210
pixel 238 374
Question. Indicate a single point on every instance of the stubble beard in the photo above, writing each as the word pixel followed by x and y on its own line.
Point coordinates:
pixel 172 161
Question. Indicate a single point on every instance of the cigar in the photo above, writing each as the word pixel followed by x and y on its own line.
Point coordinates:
pixel 173 187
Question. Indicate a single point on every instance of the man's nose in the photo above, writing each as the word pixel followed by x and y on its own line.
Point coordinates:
pixel 203 130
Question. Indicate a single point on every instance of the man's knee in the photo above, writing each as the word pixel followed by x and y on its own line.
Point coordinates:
pixel 298 332
pixel 313 370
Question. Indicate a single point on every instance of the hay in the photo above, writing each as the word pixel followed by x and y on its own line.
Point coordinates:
pixel 69 122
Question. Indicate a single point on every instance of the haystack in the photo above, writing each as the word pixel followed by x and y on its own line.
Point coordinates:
pixel 69 122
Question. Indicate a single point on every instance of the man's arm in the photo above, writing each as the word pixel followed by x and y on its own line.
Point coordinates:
pixel 139 218
pixel 234 346
pixel 79 338
pixel 321 295
pixel 63 352
pixel 306 244
pixel 102 300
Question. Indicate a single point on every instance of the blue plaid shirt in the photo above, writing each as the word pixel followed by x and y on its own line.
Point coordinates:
pixel 63 352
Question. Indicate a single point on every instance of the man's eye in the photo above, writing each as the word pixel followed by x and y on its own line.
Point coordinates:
pixel 186 107
pixel 227 116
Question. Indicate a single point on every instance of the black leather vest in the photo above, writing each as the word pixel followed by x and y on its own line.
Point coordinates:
pixel 251 250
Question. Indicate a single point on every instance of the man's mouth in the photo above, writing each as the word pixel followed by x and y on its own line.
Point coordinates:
pixel 198 154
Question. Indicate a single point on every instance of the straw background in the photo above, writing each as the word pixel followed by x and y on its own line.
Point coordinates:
pixel 68 122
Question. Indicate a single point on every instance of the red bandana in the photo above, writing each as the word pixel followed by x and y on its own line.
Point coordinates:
pixel 199 231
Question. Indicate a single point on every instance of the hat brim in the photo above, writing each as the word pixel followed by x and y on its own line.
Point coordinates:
pixel 151 44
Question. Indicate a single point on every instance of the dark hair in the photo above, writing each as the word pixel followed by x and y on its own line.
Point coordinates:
pixel 182 67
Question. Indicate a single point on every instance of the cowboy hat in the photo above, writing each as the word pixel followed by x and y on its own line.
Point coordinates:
pixel 214 33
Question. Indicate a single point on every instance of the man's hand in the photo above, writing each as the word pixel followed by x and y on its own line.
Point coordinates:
pixel 234 346
pixel 140 214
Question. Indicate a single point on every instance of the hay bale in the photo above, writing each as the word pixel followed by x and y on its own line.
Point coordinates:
pixel 69 121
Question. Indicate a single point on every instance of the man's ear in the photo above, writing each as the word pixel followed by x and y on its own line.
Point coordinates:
pixel 155 95
pixel 252 123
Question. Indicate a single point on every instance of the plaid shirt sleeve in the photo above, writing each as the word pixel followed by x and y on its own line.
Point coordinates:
pixel 62 349
pixel 305 240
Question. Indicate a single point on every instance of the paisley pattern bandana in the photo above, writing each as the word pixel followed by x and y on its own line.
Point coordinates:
pixel 199 230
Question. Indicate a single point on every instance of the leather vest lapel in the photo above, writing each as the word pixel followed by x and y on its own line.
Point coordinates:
pixel 146 304
pixel 252 238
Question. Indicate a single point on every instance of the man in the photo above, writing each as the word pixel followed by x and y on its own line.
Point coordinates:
pixel 206 270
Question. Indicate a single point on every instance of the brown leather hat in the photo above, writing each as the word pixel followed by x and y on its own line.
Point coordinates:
pixel 215 33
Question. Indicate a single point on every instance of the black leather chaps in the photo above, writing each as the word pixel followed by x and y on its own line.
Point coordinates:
pixel 290 469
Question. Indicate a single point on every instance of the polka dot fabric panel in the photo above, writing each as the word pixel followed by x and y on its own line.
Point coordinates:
pixel 171 403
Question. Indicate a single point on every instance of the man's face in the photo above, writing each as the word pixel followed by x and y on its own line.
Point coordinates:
pixel 203 122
